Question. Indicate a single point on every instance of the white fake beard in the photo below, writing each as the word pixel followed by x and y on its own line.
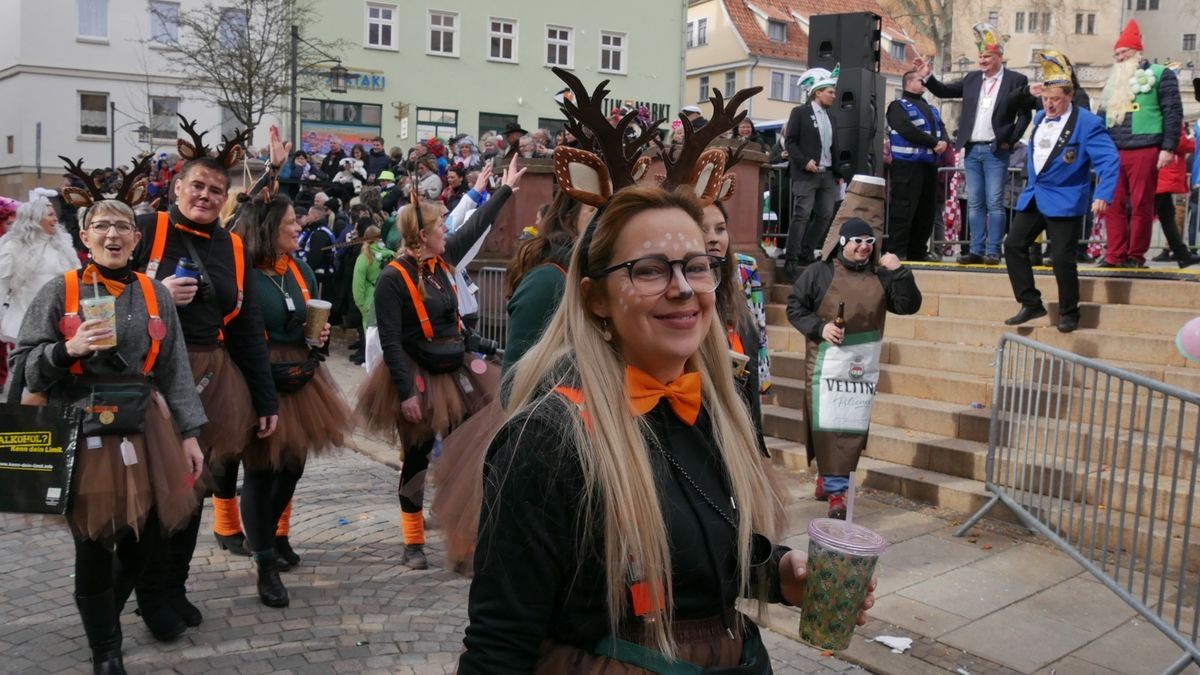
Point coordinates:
pixel 1118 92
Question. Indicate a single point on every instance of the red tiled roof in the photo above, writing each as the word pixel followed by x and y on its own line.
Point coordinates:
pixel 796 47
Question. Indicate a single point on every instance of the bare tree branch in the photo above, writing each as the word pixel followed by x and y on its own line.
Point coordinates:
pixel 238 52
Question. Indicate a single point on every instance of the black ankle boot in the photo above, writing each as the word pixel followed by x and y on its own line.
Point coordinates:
pixel 189 613
pixel 234 543
pixel 103 629
pixel 270 587
pixel 287 556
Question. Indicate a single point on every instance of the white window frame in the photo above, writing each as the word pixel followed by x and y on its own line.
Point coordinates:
pixel 79 112
pixel 369 21
pixel 454 32
pixel 729 84
pixel 240 30
pixel 89 37
pixel 155 6
pixel 502 36
pixel 773 25
pixel 898 47
pixel 704 87
pixel 1184 42
pixel 569 43
pixel 170 131
pixel 690 41
pixel 701 32
pixel 623 51
pixel 1091 23
pixel 1019 23
pixel 791 81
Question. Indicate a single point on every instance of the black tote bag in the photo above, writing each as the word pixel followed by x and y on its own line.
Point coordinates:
pixel 37 454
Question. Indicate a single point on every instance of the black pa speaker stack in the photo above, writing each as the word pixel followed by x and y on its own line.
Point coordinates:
pixel 853 41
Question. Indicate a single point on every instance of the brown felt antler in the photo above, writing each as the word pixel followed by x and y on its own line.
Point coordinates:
pixel 134 184
pixel 232 150
pixel 725 117
pixel 196 148
pixel 586 119
pixel 81 197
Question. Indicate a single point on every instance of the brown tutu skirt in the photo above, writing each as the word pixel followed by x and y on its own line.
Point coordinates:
pixel 108 498
pixel 312 420
pixel 459 479
pixel 703 642
pixel 446 400
pixel 226 399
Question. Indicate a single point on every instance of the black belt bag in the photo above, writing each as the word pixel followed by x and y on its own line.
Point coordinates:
pixel 111 407
pixel 291 376
pixel 439 356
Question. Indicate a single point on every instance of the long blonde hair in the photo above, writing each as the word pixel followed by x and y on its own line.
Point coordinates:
pixel 618 478
pixel 411 229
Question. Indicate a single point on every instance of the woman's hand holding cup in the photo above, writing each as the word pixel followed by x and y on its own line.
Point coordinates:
pixel 84 341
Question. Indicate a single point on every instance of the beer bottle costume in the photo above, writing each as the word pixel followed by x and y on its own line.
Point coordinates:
pixel 416 310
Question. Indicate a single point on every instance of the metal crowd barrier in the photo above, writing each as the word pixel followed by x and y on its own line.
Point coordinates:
pixel 1103 463
pixel 493 306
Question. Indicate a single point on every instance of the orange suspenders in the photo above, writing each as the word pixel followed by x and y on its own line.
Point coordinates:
pixel 71 309
pixel 239 263
pixel 418 301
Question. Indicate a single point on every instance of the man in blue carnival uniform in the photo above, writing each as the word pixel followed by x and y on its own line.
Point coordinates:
pixel 918 136
pixel 1068 143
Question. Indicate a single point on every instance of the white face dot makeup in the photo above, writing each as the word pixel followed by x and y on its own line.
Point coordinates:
pixel 646 244
pixel 668 236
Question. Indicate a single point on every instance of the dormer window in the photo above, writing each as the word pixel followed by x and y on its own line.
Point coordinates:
pixel 776 31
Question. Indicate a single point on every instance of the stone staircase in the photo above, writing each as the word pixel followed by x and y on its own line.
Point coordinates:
pixel 930 421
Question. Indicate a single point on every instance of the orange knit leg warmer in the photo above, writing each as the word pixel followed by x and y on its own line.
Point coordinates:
pixel 285 521
pixel 413 526
pixel 226 519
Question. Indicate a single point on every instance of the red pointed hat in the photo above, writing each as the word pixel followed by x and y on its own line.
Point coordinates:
pixel 1131 37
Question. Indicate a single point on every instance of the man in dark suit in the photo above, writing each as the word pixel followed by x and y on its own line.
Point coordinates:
pixel 1067 144
pixel 810 140
pixel 987 130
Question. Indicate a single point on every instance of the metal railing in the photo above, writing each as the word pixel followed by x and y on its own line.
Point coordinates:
pixel 1103 463
pixel 493 306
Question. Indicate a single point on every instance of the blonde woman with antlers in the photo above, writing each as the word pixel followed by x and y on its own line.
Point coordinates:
pixel 625 506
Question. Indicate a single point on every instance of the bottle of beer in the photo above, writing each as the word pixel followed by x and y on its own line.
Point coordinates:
pixel 840 321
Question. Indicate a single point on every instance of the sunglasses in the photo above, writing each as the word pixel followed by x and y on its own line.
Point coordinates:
pixel 862 240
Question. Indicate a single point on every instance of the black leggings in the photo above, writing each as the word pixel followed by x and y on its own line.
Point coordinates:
pixel 412 477
pixel 265 494
pixel 96 565
pixel 224 477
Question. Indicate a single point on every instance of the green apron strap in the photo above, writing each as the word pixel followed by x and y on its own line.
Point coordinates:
pixel 642 657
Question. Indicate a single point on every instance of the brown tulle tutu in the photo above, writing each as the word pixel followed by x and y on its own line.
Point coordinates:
pixel 227 403
pixel 108 498
pixel 459 479
pixel 446 400
pixel 312 420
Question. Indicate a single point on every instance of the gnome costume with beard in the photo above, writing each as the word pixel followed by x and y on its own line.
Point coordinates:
pixel 1142 109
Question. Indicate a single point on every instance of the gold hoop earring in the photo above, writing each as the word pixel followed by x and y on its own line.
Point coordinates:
pixel 604 331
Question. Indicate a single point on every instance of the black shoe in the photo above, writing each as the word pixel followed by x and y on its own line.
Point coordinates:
pixel 286 555
pixel 414 557
pixel 1192 259
pixel 1133 264
pixel 358 359
pixel 1068 323
pixel 1163 256
pixel 102 625
pixel 991 260
pixel 1084 258
pixel 1026 314
pixel 1104 263
pixel 1037 260
pixel 970 259
pixel 164 624
pixel 791 270
pixel 933 257
pixel 271 590
pixel 234 543
pixel 188 612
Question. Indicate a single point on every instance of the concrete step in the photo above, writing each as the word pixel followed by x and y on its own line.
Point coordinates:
pixel 951 492
pixel 1112 318
pixel 1100 290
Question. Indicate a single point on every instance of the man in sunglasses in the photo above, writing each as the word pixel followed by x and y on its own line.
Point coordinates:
pixel 839 304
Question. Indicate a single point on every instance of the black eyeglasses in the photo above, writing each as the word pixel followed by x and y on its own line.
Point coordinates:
pixel 652 274
pixel 123 227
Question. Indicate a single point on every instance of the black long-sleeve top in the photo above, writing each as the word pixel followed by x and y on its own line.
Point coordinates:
pixel 539 570
pixel 898 119
pixel 204 322
pixel 899 287
pixel 395 313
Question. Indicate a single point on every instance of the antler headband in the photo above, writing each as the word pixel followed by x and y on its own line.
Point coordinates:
pixel 229 154
pixel 132 190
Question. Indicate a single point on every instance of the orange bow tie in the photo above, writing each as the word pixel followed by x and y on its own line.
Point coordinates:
pixel 683 395
pixel 91 275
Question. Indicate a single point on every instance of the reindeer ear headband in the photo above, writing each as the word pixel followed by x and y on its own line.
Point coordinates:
pixel 229 154
pixel 132 190
pixel 615 163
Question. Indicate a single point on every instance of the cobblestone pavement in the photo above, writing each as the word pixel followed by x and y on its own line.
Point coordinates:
pixel 354 607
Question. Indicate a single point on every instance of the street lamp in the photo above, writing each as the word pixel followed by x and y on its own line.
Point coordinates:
pixel 338 76
pixel 963 62
pixel 143 132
